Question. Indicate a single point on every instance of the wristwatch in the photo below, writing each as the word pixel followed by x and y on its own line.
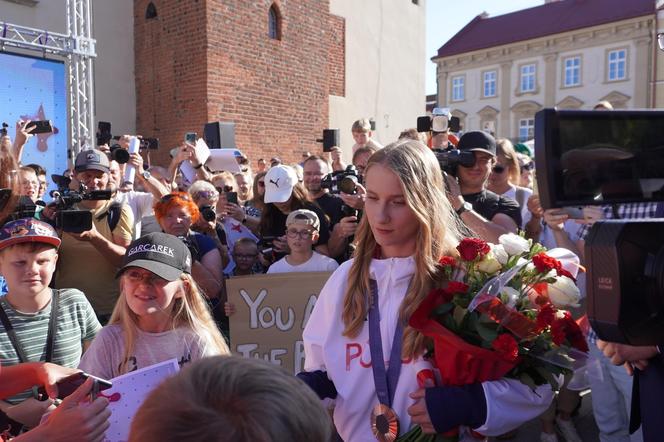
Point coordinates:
pixel 146 175
pixel 465 207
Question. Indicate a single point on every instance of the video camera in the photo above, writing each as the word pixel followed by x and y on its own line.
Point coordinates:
pixel 67 218
pixel 608 158
pixel 440 120
pixel 450 160
pixel 345 181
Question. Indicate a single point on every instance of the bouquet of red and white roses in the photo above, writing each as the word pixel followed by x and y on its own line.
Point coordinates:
pixel 500 313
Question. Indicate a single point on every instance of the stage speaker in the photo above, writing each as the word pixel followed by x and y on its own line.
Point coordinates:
pixel 220 134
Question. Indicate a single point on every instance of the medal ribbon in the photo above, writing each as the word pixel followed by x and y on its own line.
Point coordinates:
pixel 386 383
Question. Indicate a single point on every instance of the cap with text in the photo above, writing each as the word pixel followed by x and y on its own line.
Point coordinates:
pixel 164 255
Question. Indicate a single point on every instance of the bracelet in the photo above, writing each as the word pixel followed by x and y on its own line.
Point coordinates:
pixel 198 167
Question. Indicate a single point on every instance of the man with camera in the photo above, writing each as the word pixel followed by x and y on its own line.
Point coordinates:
pixel 484 212
pixel 89 260
pixel 342 227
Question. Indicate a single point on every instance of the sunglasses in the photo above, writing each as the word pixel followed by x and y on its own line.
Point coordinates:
pixel 170 196
pixel 529 166
pixel 224 189
pixel 498 169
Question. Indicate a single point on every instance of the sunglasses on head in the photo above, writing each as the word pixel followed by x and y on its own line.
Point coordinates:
pixel 528 166
pixel 170 196
pixel 498 169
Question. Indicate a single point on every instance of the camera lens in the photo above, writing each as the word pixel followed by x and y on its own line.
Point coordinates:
pixel 208 213
pixel 348 184
pixel 120 155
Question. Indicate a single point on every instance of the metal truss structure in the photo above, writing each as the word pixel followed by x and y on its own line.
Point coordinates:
pixel 78 49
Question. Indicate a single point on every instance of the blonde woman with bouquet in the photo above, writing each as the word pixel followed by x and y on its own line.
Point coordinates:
pixel 360 350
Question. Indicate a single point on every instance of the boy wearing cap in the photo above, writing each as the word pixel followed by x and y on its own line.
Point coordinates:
pixel 90 259
pixel 49 325
pixel 301 233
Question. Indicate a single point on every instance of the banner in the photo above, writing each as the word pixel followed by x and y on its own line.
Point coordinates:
pixel 270 314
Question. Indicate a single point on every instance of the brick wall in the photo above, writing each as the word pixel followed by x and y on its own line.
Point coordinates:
pixel 212 60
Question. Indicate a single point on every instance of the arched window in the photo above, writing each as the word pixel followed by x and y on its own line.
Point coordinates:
pixel 274 23
pixel 151 11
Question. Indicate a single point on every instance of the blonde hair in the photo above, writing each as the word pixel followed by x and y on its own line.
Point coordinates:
pixel 199 188
pixel 439 233
pixel 362 125
pixel 231 398
pixel 189 311
pixel 505 148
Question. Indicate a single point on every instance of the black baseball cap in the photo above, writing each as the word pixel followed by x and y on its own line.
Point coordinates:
pixel 477 141
pixel 93 159
pixel 164 255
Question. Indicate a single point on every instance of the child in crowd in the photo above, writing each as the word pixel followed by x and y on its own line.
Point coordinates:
pixel 160 313
pixel 29 182
pixel 301 234
pixel 246 257
pixel 361 130
pixel 50 325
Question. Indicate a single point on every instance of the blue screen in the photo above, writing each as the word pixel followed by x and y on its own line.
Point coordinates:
pixel 36 88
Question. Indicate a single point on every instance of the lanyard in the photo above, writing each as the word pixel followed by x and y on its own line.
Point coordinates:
pixel 386 383
pixel 50 338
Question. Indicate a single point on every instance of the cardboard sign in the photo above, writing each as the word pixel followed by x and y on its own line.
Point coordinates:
pixel 270 314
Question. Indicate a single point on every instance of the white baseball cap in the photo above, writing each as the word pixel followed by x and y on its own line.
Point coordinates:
pixel 279 183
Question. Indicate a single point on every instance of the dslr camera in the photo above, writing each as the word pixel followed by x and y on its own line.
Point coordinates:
pixel 608 158
pixel 66 217
pixel 345 181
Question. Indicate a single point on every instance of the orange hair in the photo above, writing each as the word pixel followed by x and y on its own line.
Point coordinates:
pixel 181 200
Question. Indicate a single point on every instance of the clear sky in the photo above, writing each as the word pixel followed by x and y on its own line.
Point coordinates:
pixel 446 17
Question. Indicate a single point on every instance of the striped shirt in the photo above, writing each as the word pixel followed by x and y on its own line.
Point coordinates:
pixel 76 323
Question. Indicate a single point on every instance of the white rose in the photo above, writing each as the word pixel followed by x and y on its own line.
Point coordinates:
pixel 489 264
pixel 500 253
pixel 511 294
pixel 514 244
pixel 564 293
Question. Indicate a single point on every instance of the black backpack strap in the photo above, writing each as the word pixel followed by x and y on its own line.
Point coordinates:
pixel 112 215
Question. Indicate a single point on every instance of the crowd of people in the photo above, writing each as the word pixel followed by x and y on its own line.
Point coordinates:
pixel 144 282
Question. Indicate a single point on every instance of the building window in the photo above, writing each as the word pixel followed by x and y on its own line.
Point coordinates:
pixel 526 129
pixel 489 84
pixel 617 68
pixel 274 23
pixel 527 78
pixel 458 92
pixel 572 73
pixel 150 11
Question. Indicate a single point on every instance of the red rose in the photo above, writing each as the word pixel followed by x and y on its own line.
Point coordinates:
pixel 471 248
pixel 507 346
pixel 544 263
pixel 563 272
pixel 447 261
pixel 559 328
pixel 443 295
pixel 545 316
pixel 575 335
pixel 454 287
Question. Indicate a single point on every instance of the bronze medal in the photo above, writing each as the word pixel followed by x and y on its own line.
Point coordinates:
pixel 384 423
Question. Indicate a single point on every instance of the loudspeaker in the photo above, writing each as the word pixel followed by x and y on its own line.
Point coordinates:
pixel 220 134
pixel 330 139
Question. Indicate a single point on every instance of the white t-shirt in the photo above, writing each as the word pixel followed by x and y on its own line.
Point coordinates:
pixel 317 263
pixel 525 213
pixel 141 204
pixel 347 361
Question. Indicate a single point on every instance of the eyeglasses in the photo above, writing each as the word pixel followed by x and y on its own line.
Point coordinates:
pixel 302 234
pixel 224 189
pixel 136 277
pixel 498 169
pixel 528 166
pixel 241 256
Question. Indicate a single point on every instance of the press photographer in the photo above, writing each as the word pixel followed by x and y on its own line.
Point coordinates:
pixel 89 259
pixel 481 210
pixel 325 188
